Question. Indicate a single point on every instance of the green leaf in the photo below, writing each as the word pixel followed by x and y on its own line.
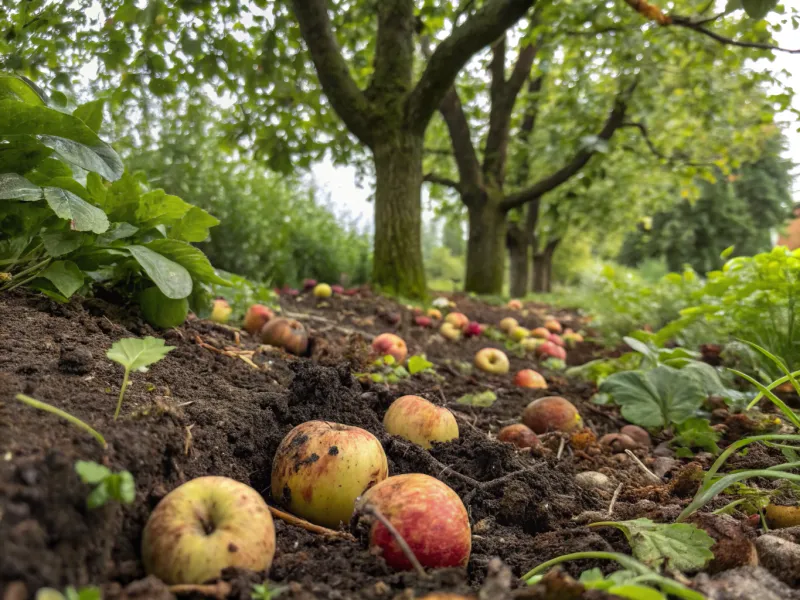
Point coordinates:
pixel 679 546
pixel 192 259
pixel 138 353
pixel 49 594
pixel 634 591
pixel 417 364
pixel 758 9
pixel 60 242
pixel 22 155
pixel 21 89
pixel 159 208
pixel 84 216
pixel 697 432
pixel 726 253
pixel 482 399
pixel 91 113
pixel 117 231
pixel 655 398
pixel 97 497
pixel 16 187
pixel 91 472
pixel 120 487
pixel 65 275
pixel 193 226
pixel 100 159
pixel 172 279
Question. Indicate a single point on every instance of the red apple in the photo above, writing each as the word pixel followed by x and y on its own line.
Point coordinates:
pixel 287 334
pixel 552 413
pixel 434 313
pixel 508 324
pixel 457 319
pixel 550 349
pixel 391 344
pixel 518 434
pixel 423 321
pixel 427 514
pixel 309 284
pixel 528 378
pixel 420 421
pixel 514 304
pixel 450 331
pixel 540 332
pixel 287 291
pixel 492 360
pixel 337 289
pixel 350 292
pixel 552 325
pixel 556 339
pixel 256 316
pixel 473 329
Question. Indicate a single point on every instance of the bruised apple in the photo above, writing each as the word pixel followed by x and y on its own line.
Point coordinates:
pixel 450 331
pixel 287 334
pixel 427 514
pixel 257 315
pixel 220 311
pixel 391 344
pixel 423 321
pixel 204 526
pixel 420 421
pixel 457 319
pixel 492 360
pixel 320 468
pixel 508 324
pixel 528 378
pixel 518 434
pixel 552 413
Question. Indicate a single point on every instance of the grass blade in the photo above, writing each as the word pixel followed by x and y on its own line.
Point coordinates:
pixel 788 412
pixel 64 415
pixel 735 446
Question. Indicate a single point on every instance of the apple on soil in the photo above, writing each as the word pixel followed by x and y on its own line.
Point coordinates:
pixel 555 339
pixel 540 332
pixel 519 333
pixel 420 421
pixel 220 311
pixel 550 349
pixel 552 413
pixel 450 331
pixel 204 526
pixel 309 284
pixel 514 304
pixel 530 344
pixel 473 329
pixel 552 326
pixel 528 378
pixel 457 319
pixel 518 434
pixel 434 313
pixel 320 468
pixel 287 334
pixel 337 289
pixel 257 315
pixel 427 514
pixel 322 290
pixel 492 360
pixel 391 344
pixel 508 324
pixel 423 321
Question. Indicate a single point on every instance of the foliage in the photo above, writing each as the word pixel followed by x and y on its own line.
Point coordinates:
pixel 265 591
pixel 107 485
pixel 744 206
pixel 386 370
pixel 694 433
pixel 32 402
pixel 135 354
pixel 482 399
pixel 71 219
pixel 665 545
pixel 241 294
pixel 70 593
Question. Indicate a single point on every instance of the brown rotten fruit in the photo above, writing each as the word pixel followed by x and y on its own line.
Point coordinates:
pixel 287 334
pixel 552 413
pixel 420 421
pixel 518 434
pixel 320 468
pixel 257 315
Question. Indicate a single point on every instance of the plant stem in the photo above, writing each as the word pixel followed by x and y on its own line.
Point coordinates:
pixel 64 415
pixel 122 391
pixel 623 559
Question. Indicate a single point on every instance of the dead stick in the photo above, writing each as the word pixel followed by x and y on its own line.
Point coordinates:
pixel 614 499
pixel 333 324
pixel 303 524
pixel 372 510
pixel 219 590
pixel 642 466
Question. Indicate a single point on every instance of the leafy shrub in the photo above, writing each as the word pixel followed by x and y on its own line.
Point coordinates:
pixel 72 219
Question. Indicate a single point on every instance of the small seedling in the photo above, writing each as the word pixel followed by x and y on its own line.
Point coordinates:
pixel 136 354
pixel 63 414
pixel 481 399
pixel 265 591
pixel 108 485
pixel 84 593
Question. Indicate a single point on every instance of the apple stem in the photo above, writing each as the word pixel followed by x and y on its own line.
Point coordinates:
pixel 372 510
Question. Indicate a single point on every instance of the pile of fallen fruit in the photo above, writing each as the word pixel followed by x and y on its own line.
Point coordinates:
pixel 353 447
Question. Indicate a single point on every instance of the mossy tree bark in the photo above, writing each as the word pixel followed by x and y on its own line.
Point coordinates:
pixel 485 245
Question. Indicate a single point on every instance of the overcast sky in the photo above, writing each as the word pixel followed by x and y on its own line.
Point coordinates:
pixel 348 198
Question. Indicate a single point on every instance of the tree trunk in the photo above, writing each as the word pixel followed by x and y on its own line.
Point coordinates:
pixel 486 246
pixel 543 268
pixel 518 251
pixel 397 265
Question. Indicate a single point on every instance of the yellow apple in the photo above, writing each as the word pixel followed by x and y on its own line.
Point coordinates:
pixel 420 421
pixel 320 468
pixel 530 344
pixel 457 319
pixel 322 290
pixel 508 324
pixel 221 311
pixel 450 331
pixel 519 333
pixel 492 360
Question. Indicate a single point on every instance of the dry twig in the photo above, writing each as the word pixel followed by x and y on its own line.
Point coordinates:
pixel 303 524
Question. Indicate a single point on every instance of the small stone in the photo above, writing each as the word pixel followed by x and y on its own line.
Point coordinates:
pixel 77 361
pixel 592 480
pixel 780 557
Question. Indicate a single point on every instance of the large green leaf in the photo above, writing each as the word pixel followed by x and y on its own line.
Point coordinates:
pixel 83 215
pixel 91 113
pixel 16 87
pixel 192 259
pixel 61 242
pixel 159 208
pixel 758 9
pixel 193 226
pixel 22 154
pixel 65 275
pixel 172 279
pixel 16 187
pixel 100 159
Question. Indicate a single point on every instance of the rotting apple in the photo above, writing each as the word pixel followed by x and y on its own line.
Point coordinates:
pixel 552 326
pixel 320 468
pixel 530 344
pixel 446 596
pixel 519 333
pixel 350 292
pixel 423 321
pixel 637 434
pixel 508 324
pixel 420 421
pixel 426 513
pixel 528 378
pixel 457 319
pixel 450 331
pixel 492 360
pixel 514 304
pixel 220 311
pixel 552 413
pixel 571 338
pixel 473 329
pixel 434 313
pixel 556 339
pixel 518 434
pixel 309 284
pixel 781 517
pixel 322 290
pixel 289 291
pixel 541 333
pixel 618 442
pixel 337 289
pixel 550 349
pixel 287 334
pixel 257 315
pixel 204 526
pixel 391 344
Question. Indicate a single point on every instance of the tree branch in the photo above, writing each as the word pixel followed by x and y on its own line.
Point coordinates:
pixel 347 99
pixel 439 180
pixel 656 152
pixel 394 49
pixel 469 172
pixel 478 31
pixel 697 26
pixel 569 170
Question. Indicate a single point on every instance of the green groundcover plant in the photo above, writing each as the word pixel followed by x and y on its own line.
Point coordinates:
pixel 72 219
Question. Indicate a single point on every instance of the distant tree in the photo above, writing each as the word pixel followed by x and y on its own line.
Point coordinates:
pixel 453 236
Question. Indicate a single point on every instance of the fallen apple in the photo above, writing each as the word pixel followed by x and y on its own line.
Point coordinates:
pixel 287 334
pixel 257 315
pixel 420 421
pixel 552 413
pixel 450 331
pixel 492 360
pixel 322 290
pixel 508 324
pixel 288 291
pixel 309 284
pixel 473 329
pixel 555 339
pixel 204 526
pixel 528 378
pixel 530 344
pixel 637 434
pixel 514 304
pixel 320 468
pixel 391 344
pixel 458 319
pixel 160 311
pixel 781 517
pixel 434 313
pixel 540 332
pixel 618 442
pixel 552 325
pixel 571 338
pixel 518 434
pixel 550 349
pixel 220 311
pixel 337 289
pixel 423 321
pixel 350 292
pixel 426 513
pixel 519 333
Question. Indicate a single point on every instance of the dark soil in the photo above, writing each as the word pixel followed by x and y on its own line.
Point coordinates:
pixel 199 412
